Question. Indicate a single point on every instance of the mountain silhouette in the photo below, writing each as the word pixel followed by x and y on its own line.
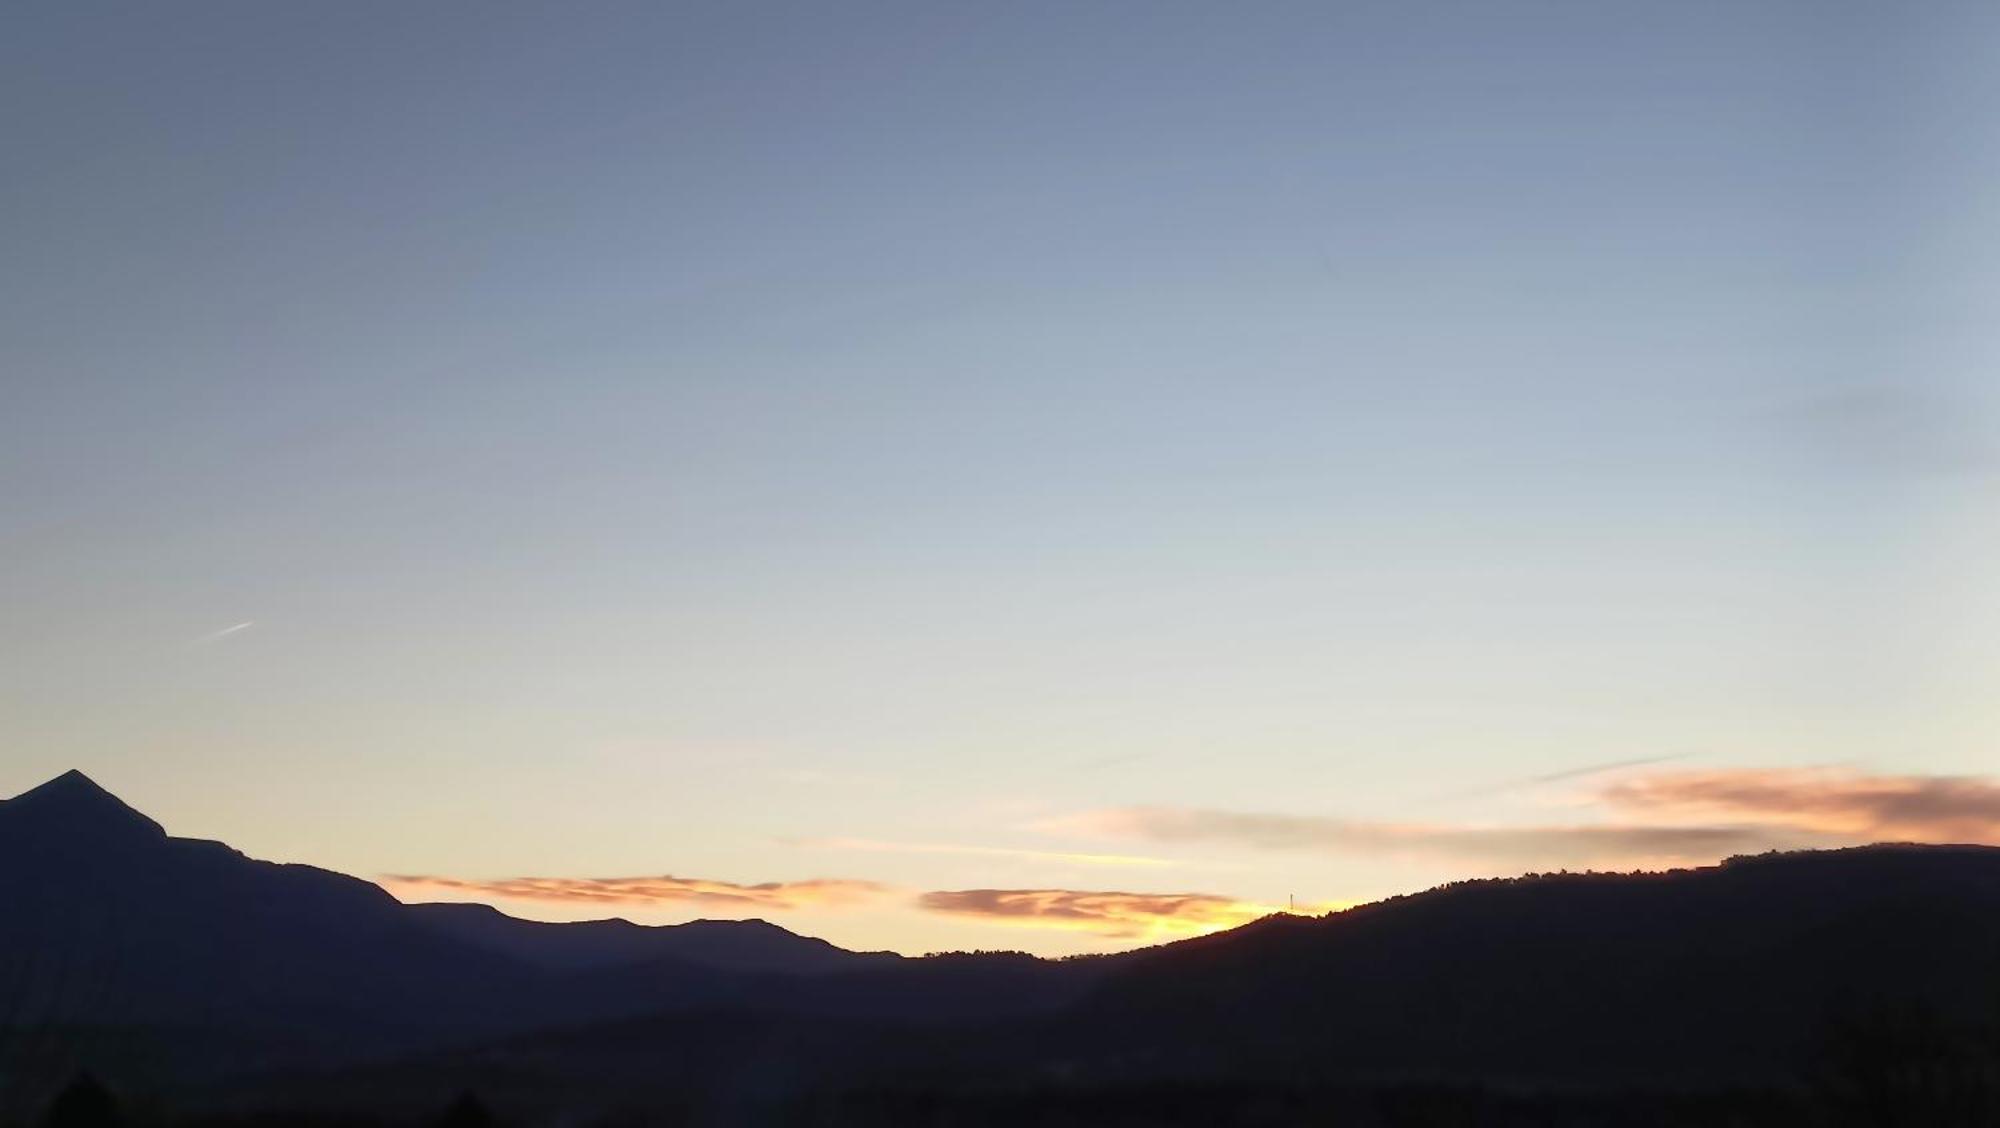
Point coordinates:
pixel 184 958
pixel 113 923
pixel 1723 977
pixel 181 965
pixel 1719 974
pixel 72 807
pixel 731 945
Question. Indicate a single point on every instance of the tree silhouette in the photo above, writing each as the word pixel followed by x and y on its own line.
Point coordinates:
pixel 468 1111
pixel 86 1103
pixel 1897 1065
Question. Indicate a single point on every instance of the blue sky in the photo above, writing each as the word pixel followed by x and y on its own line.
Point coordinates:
pixel 669 439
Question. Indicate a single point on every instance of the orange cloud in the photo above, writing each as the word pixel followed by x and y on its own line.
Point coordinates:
pixel 661 890
pixel 1839 804
pixel 1120 915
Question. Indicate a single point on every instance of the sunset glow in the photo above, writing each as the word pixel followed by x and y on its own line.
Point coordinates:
pixel 968 476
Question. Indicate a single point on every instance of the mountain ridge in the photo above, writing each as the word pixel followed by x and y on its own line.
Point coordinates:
pixel 1727 974
pixel 750 945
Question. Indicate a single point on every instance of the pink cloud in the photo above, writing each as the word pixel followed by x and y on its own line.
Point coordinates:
pixel 1842 804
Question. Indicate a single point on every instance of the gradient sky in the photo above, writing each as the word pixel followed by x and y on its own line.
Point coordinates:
pixel 1292 445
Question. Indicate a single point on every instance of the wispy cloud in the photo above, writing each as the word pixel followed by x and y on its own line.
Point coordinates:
pixel 1583 771
pixel 1656 818
pixel 1106 913
pixel 661 890
pixel 871 845
pixel 1837 803
pixel 218 636
pixel 1570 845
pixel 1895 429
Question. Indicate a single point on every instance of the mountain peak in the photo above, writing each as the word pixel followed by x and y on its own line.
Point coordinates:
pixel 74 801
pixel 71 780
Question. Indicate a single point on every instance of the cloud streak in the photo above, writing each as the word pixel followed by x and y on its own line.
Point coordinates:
pixel 1581 844
pixel 660 890
pixel 1662 818
pixel 871 845
pixel 1118 915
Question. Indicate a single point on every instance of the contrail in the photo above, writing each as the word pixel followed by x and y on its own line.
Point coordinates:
pixel 225 632
pixel 1593 769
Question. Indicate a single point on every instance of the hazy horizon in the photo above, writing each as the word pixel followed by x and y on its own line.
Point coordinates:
pixel 938 477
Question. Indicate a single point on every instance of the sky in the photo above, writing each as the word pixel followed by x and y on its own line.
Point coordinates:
pixel 1039 476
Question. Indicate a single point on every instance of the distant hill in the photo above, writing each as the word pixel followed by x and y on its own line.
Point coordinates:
pixel 1746 974
pixel 173 963
pixel 731 945
pixel 1725 973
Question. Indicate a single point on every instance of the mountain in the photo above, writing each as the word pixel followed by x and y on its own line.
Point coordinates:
pixel 179 958
pixel 1729 973
pixel 112 923
pixel 72 808
pixel 1810 981
pixel 728 945
pixel 183 966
